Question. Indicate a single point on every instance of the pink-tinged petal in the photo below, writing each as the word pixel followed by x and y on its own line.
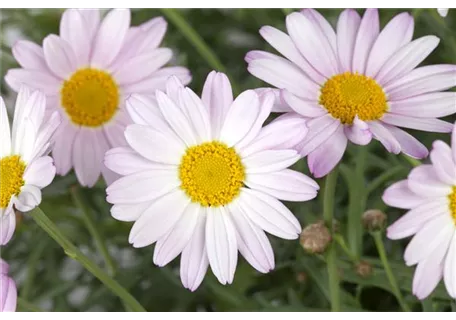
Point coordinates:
pixel 386 138
pixel 143 186
pixel 173 243
pixel 110 37
pixel 312 43
pixel 397 33
pixel 158 219
pixel 422 80
pixel 144 110
pixel 142 66
pixel 8 294
pixel 157 81
pixel 328 154
pixel 423 181
pixel 368 31
pixel 74 30
pixel 62 151
pixel 59 56
pixel 43 142
pixel 7 226
pixel 92 21
pixel 431 105
pixel 279 104
pixel 415 219
pixel 125 161
pixel 358 132
pixel 428 274
pixel 197 114
pixel 320 130
pixel 258 54
pixel 306 108
pixel 283 44
pixel 347 30
pixel 453 142
pixel 284 132
pixel 221 244
pixel 173 87
pixel 217 96
pixel 20 113
pixel 129 212
pixel 445 167
pixel 449 269
pixel 240 118
pixel 283 74
pixel 252 242
pixel 155 145
pixel 39 80
pixel 28 199
pixel 154 30
pixel 400 196
pixel 409 144
pixel 40 172
pixel 406 59
pixel 269 214
pixel 423 124
pixel 435 235
pixel 287 185
pixel 5 132
pixel 194 261
pixel 269 161
pixel 114 134
pixel 29 55
pixel 108 175
pixel 88 152
pixel 176 119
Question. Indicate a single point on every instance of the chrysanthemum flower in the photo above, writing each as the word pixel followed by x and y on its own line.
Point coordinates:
pixel 202 177
pixel 443 12
pixel 25 167
pixel 8 291
pixel 429 193
pixel 356 84
pixel 86 73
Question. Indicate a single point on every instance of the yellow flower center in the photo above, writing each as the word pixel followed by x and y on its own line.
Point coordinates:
pixel 11 178
pixel 211 174
pixel 90 97
pixel 452 198
pixel 349 94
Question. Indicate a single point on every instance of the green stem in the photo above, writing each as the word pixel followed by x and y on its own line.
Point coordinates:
pixel 385 176
pixel 341 242
pixel 77 195
pixel 287 11
pixel 196 40
pixel 72 251
pixel 414 162
pixel 32 268
pixel 427 305
pixel 331 258
pixel 389 272
pixel 24 305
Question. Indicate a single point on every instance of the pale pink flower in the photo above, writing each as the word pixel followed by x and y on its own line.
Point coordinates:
pixel 429 193
pixel 443 12
pixel 8 291
pixel 86 74
pixel 355 84
pixel 202 178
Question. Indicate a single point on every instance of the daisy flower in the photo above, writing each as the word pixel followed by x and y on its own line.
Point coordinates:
pixel 25 167
pixel 202 178
pixel 86 73
pixel 356 84
pixel 443 12
pixel 429 193
pixel 8 291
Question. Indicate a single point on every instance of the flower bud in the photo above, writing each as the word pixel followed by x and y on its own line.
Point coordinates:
pixel 363 269
pixel 315 238
pixel 374 220
pixel 301 277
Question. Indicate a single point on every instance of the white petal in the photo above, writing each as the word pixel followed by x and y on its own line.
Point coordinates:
pixel 382 134
pixel 7 226
pixel 453 143
pixel 59 56
pixel 358 132
pixel 62 151
pixel 130 211
pixel 423 181
pixel 125 161
pixel 5 133
pixel 424 124
pixel 36 79
pixel 145 111
pixel 432 105
pixel 29 55
pixel 40 172
pixel 320 130
pixel 28 198
pixel 269 161
pixel 347 29
pixel 400 196
pixel 449 270
pixel 197 113
pixel 428 274
pixel 221 244
pixel 445 167
pixel 74 30
pixel 368 31
pixel 409 145
pixel 306 108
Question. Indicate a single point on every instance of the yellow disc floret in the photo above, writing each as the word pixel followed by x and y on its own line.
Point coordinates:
pixel 11 178
pixel 452 198
pixel 349 94
pixel 90 97
pixel 211 174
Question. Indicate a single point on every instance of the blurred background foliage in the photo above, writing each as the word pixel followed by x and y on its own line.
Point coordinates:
pixel 48 279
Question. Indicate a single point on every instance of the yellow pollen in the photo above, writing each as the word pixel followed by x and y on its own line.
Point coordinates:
pixel 90 97
pixel 11 178
pixel 452 198
pixel 211 174
pixel 349 94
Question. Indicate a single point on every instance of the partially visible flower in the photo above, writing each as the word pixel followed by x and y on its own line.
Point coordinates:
pixel 429 193
pixel 356 84
pixel 25 167
pixel 86 74
pixel 203 178
pixel 8 291
pixel 443 12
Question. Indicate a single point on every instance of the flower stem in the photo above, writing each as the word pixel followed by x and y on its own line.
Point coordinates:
pixel 389 272
pixel 24 305
pixel 331 258
pixel 414 162
pixel 341 242
pixel 73 252
pixel 77 195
